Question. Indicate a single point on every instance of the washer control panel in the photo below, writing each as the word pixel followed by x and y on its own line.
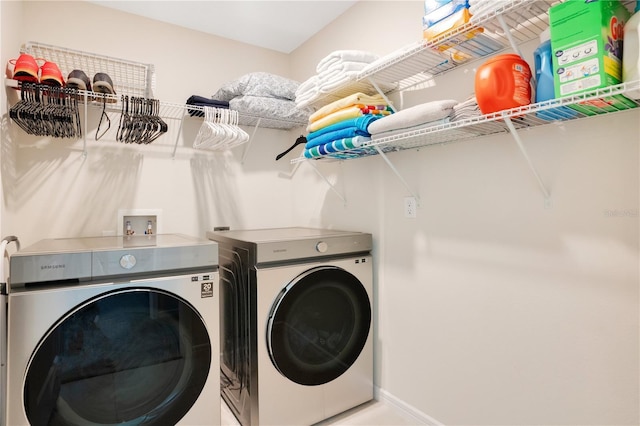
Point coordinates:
pixel 128 261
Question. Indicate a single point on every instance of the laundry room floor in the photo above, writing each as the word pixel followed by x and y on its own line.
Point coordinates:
pixel 374 413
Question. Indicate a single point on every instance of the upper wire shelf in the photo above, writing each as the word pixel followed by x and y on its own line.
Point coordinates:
pixel 476 39
pixel 417 63
pixel 175 111
pixel 129 77
pixel 412 66
pixel 529 116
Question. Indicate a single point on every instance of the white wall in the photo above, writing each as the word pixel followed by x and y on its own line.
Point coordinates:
pixel 491 309
pixel 49 190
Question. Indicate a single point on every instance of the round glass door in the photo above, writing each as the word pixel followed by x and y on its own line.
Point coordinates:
pixel 131 357
pixel 318 325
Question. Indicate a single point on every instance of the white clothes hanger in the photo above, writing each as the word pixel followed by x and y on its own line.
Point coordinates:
pixel 220 130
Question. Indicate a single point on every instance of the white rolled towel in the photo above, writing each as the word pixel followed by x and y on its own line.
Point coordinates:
pixel 413 116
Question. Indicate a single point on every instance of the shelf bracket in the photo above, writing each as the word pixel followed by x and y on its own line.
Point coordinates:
pixel 246 149
pixel 84 134
pixel 395 171
pixel 333 188
pixel 291 173
pixel 507 33
pixel 513 43
pixel 375 86
pixel 516 137
pixel 175 146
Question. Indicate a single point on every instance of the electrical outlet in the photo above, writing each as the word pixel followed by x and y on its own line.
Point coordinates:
pixel 410 207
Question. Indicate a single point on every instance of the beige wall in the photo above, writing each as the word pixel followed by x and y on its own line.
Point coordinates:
pixel 491 309
pixel 49 190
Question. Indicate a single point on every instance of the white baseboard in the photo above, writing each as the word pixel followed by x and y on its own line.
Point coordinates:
pixel 387 398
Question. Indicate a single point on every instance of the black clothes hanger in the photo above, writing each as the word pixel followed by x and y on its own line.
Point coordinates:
pixel 301 139
pixel 103 116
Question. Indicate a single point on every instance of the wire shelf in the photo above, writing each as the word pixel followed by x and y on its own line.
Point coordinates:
pixel 254 120
pixel 534 115
pixel 129 78
pixel 176 111
pixel 476 39
pixel 411 67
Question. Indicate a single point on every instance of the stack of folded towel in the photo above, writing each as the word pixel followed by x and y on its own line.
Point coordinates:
pixel 344 124
pixel 414 118
pixel 466 109
pixel 333 70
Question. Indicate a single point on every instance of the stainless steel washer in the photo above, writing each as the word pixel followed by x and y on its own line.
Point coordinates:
pixel 296 323
pixel 3 324
pixel 114 330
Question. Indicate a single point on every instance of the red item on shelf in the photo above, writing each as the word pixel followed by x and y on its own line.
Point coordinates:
pixel 503 82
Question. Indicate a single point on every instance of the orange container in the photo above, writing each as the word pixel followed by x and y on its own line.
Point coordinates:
pixel 503 82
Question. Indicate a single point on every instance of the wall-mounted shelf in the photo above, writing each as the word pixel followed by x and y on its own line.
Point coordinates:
pixel 129 77
pixel 169 111
pixel 522 118
pixel 176 111
pixel 525 19
pixel 508 121
pixel 416 63
pixel 509 25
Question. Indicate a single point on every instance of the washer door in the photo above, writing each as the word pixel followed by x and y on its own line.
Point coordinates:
pixel 318 325
pixel 135 356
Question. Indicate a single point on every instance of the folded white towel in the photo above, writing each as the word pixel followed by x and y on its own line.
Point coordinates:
pixel 394 132
pixel 345 55
pixel 337 80
pixel 413 116
pixel 343 66
pixel 307 98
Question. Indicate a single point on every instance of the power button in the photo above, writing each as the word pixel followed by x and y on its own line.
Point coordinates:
pixel 321 247
pixel 128 261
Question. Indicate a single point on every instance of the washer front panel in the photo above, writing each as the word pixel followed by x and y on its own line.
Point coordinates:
pixel 144 353
pixel 283 401
pixel 318 325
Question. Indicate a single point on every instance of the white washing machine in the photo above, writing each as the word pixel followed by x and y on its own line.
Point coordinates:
pixel 296 313
pixel 114 330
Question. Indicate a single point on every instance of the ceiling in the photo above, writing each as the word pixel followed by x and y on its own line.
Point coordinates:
pixel 278 25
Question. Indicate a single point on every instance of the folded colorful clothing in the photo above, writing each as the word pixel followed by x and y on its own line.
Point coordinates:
pixel 202 101
pixel 413 116
pixel 358 127
pixel 343 114
pixel 353 99
pixel 344 124
pixel 336 146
